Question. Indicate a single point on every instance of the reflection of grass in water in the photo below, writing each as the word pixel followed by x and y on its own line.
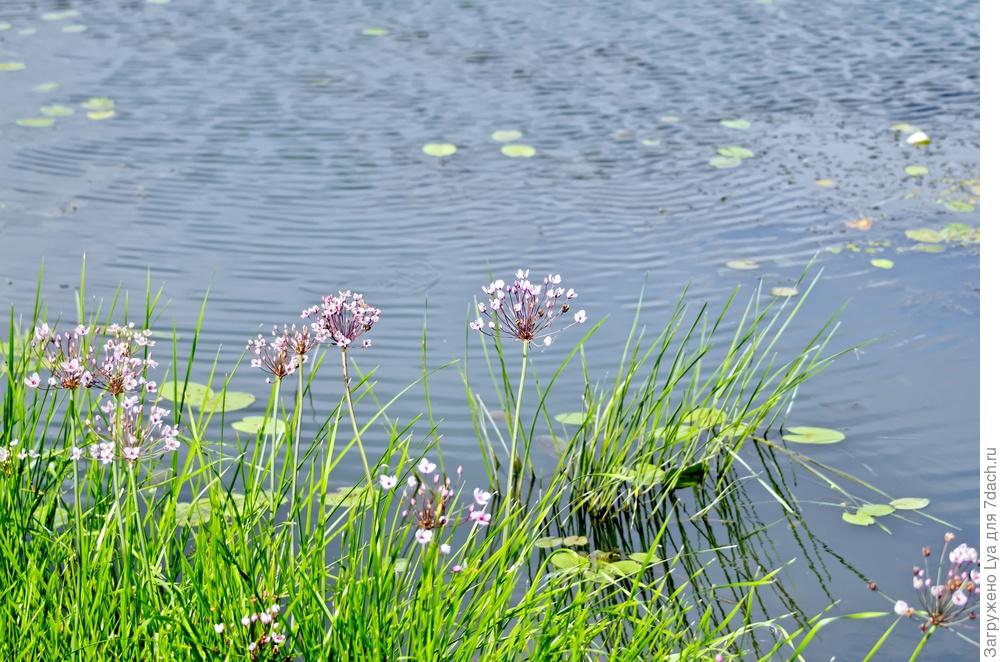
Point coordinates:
pixel 144 561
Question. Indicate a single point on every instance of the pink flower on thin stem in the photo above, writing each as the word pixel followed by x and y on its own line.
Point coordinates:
pixel 286 352
pixel 387 482
pixel 423 536
pixel 524 310
pixel 342 319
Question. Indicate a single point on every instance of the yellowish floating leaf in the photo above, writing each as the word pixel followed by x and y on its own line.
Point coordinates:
pixel 735 152
pixel 11 66
pixel 506 135
pixel 60 15
pixel 876 509
pixel 98 115
pixel 882 263
pixel 724 162
pixel 651 142
pixel 826 183
pixel 925 235
pixel 157 2
pixel 75 28
pixel 858 519
pixel 813 435
pixel 961 205
pixel 575 541
pixel 916 170
pixel 56 110
pixel 910 503
pixel 784 291
pixel 929 248
pixel 36 122
pixel 27 32
pixel 743 264
pixel 548 541
pixel 374 32
pixel 518 151
pixel 4 26
pixel 903 127
pixel 863 224
pixel 439 150
pixel 46 87
pixel 98 103
pixel 735 124
pixel 669 119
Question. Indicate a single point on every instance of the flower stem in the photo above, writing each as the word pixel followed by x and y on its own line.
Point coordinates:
pixel 517 425
pixel 350 412
pixel 295 455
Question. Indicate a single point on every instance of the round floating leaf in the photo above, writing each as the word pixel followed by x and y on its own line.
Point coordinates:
pixel 882 263
pixel 918 138
pixel 195 395
pixel 36 122
pixel 60 15
pixel 827 183
pixel 571 418
pixel 98 115
pixel 858 518
pixel 723 162
pixel 625 567
pixel 158 2
pixel 548 541
pixel 928 248
pixel 645 475
pixel 734 152
pixel 346 496
pixel 650 142
pixel 735 124
pixel 400 566
pixel 809 435
pixel 46 87
pixel 518 151
pixel 743 264
pixel 234 401
pixel 4 26
pixel 74 29
pixel 647 558
pixel 924 235
pixel 669 119
pixel 565 559
pixel 11 66
pixel 910 503
pixel 916 170
pixel 960 232
pixel 374 32
pixel 194 513
pixel 98 103
pixel 784 291
pixel 575 541
pixel 56 110
pixel 506 135
pixel 439 150
pixel 876 510
pixel 961 205
pixel 256 424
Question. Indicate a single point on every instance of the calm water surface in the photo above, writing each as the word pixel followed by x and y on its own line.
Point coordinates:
pixel 272 151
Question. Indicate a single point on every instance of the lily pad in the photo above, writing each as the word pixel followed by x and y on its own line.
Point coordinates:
pixel 648 558
pixel 925 235
pixel 571 418
pixel 724 162
pixel 194 513
pixel 811 435
pixel 74 28
pixel 882 263
pixel 346 496
pixel 903 127
pixel 669 119
pixel 98 115
pixel 256 424
pixel 876 509
pixel 916 170
pixel 858 518
pixel 4 26
pixel 918 138
pixel 374 32
pixel 644 475
pixel 400 566
pixel 735 124
pixel 625 567
pixel 575 541
pixel 960 232
pixel 46 87
pixel 928 248
pixel 650 142
pixel 11 66
pixel 784 291
pixel 565 559
pixel 910 503
pixel 506 135
pixel 56 110
pixel 98 103
pixel 60 15
pixel 518 151
pixel 36 122
pixel 202 397
pixel 548 542
pixel 439 150
pixel 734 152
pixel 961 205
pixel 743 264
pixel 826 183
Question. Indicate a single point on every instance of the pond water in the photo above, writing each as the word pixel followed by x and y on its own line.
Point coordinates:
pixel 272 151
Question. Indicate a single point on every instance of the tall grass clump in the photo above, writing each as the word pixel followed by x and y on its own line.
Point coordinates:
pixel 142 522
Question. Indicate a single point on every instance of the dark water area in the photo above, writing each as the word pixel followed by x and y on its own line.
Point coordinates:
pixel 271 151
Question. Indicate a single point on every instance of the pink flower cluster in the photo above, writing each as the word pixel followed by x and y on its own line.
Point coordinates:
pixel 524 310
pixel 259 631
pixel 342 319
pixel 127 430
pixel 73 364
pixel 947 600
pixel 285 353
pixel 13 451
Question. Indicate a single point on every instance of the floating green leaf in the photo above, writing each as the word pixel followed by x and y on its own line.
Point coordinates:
pixel 723 162
pixel 506 135
pixel 374 32
pixel 743 264
pixel 903 127
pixel 704 417
pixel 644 475
pixel 646 558
pixel 439 150
pixel 193 513
pixel 400 566
pixel 961 205
pixel 924 235
pixel 575 541
pixel 518 151
pixel 257 424
pixel 202 397
pixel 571 418
pixel 98 103
pixel 98 115
pixel 876 509
pixel 735 124
pixel 60 15
pixel 882 263
pixel 565 559
pixel 858 518
pixel 928 248
pixel 4 26
pixel 11 66
pixel 734 152
pixel 347 496
pixel 56 110
pixel 916 170
pixel 910 503
pixel 960 232
pixel 548 541
pixel 669 119
pixel 650 142
pixel 811 435
pixel 27 32
pixel 625 567
pixel 36 122
pixel 784 291
pixel 46 87
pixel 74 28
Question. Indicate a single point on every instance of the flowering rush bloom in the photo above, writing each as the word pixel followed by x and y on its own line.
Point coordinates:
pixel 952 596
pixel 342 319
pixel 430 504
pixel 286 352
pixel 524 310
pixel 127 430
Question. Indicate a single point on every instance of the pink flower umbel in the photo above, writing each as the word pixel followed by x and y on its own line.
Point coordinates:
pixel 342 319
pixel 286 351
pixel 950 595
pixel 524 310
pixel 68 357
pixel 127 430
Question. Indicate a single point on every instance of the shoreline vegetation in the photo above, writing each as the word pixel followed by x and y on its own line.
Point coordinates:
pixel 147 517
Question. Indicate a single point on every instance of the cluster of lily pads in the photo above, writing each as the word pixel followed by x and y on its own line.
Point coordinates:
pixel 508 138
